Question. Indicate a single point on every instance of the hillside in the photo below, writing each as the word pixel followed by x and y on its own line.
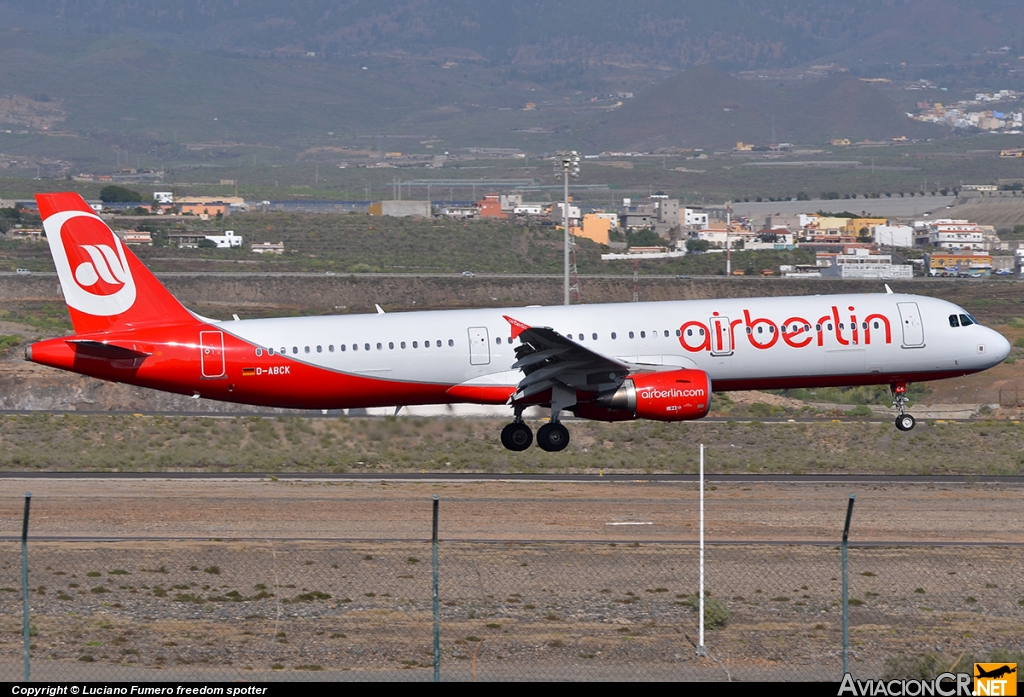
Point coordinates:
pixel 739 34
pixel 705 107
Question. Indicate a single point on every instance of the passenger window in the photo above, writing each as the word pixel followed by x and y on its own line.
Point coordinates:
pixel 391 344
pixel 581 337
pixel 379 346
pixel 829 326
pixel 295 349
pixel 666 333
pixel 270 351
pixel 613 335
pixel 497 339
pixel 771 330
pixel 876 325
pixel 643 335
pixel 307 349
pixel 953 321
pixel 807 327
pixel 438 343
pixel 451 342
pixel 341 346
pixel 817 327
pixel 864 325
pixel 415 344
pixel 689 332
pixel 842 326
pixel 426 344
pixel 749 331
pixel 402 344
pixel 319 349
pixel 355 347
pixel 631 335
pixel 701 331
pixel 678 333
pixel 760 329
pixel 284 350
pixel 594 336
pixel 330 347
pixel 259 352
pixel 366 347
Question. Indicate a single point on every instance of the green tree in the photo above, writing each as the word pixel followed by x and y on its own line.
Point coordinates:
pixel 119 194
pixel 644 238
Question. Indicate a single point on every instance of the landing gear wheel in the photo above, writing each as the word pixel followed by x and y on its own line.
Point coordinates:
pixel 553 437
pixel 905 422
pixel 516 436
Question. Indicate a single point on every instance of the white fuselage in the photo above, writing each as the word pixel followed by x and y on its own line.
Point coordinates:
pixel 740 343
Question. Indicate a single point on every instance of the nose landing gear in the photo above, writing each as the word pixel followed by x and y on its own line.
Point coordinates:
pixel 904 421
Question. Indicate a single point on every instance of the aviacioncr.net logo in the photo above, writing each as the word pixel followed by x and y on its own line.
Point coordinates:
pixel 91 263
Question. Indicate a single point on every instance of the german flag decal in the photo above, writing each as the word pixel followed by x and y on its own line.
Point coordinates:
pixel 246 372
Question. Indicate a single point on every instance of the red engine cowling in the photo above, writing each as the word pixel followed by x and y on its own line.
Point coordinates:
pixel 676 395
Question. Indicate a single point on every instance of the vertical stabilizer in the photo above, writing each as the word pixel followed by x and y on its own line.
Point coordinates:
pixel 105 285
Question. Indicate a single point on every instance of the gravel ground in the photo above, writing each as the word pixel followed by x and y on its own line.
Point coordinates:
pixel 542 586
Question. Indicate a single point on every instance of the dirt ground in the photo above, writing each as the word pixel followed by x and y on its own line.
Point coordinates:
pixel 538 580
pixel 507 510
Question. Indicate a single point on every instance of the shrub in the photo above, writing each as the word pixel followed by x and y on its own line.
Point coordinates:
pixel 716 614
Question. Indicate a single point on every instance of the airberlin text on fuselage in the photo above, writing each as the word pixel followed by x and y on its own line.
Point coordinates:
pixel 670 393
pixel 719 333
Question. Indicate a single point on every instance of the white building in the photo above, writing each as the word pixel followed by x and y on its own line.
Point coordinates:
pixel 894 235
pixel 864 265
pixel 226 241
pixel 956 237
pixel 163 196
pixel 694 218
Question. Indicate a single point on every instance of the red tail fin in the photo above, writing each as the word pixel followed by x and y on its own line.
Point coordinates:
pixel 104 284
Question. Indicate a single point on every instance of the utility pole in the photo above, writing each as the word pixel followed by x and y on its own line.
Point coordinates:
pixel 728 245
pixel 567 164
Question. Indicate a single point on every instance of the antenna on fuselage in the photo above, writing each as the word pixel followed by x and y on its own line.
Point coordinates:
pixel 380 310
pixel 888 290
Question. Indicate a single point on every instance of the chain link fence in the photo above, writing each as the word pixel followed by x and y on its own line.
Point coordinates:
pixel 201 609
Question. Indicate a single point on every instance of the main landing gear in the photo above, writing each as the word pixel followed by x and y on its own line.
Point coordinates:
pixel 551 437
pixel 904 421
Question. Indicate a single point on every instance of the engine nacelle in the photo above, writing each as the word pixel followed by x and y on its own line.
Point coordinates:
pixel 676 395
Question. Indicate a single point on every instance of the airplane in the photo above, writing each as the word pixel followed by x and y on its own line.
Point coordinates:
pixel 610 362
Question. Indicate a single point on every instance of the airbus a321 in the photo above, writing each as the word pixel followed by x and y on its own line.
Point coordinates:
pixel 607 362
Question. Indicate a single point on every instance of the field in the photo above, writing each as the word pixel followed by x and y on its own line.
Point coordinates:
pixel 103 443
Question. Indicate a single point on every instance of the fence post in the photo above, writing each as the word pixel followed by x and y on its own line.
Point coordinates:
pixel 26 630
pixel 701 649
pixel 437 610
pixel 846 591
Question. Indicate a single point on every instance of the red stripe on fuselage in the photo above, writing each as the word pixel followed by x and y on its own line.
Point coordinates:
pixel 175 365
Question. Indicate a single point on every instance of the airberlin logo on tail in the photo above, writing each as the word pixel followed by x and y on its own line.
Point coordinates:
pixel 91 263
pixel 103 265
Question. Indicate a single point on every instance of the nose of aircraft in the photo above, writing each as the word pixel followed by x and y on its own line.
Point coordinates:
pixel 998 348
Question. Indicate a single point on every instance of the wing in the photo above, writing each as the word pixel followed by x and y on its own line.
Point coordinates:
pixel 549 359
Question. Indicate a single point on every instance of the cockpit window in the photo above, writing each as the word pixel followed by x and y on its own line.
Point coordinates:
pixel 967 320
pixel 953 321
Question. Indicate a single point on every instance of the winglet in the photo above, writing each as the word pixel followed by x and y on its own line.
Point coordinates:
pixel 517 326
pixel 888 290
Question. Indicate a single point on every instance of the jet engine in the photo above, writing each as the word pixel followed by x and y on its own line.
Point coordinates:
pixel 676 395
